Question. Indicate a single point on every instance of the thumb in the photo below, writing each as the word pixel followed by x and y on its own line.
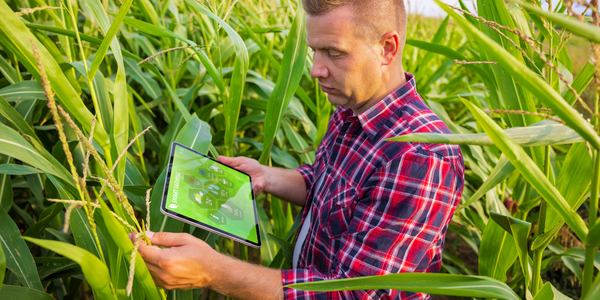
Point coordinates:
pixel 168 239
pixel 230 161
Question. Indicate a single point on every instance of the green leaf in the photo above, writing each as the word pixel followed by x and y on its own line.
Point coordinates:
pixel 16 38
pixel 23 91
pixel 13 145
pixel 9 112
pixel 12 292
pixel 45 218
pixel 6 192
pixel 529 170
pixel 572 181
pixel 529 79
pixel 119 236
pixel 548 292
pixel 441 284
pixel 109 32
pixel 541 134
pixel 298 142
pixel 582 29
pixel 498 252
pixel 581 83
pixel 13 169
pixel 18 257
pixel 2 267
pixel 8 71
pixel 94 269
pixel 520 231
pixel 233 104
pixel 501 172
pixel 542 241
pixel 294 57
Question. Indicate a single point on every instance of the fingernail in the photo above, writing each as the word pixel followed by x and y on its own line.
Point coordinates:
pixel 149 233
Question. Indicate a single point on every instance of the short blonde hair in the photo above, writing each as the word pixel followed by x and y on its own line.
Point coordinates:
pixel 375 17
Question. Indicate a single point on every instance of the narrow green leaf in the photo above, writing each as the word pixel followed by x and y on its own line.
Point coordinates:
pixel 529 79
pixel 548 292
pixel 298 142
pixel 18 257
pixel 119 236
pixel 498 252
pixel 7 111
pixel 294 58
pixel 441 284
pixel 582 29
pixel 501 172
pixel 109 32
pixel 2 267
pixel 12 292
pixel 541 134
pixel 95 271
pixel 572 181
pixel 16 38
pixel 581 83
pixel 520 231
pixel 13 145
pixel 44 220
pixel 542 241
pixel 8 71
pixel 529 170
pixel 23 91
pixel 238 78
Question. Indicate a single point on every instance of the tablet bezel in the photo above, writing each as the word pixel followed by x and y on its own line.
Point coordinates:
pixel 197 223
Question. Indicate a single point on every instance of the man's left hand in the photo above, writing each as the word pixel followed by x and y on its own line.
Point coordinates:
pixel 186 264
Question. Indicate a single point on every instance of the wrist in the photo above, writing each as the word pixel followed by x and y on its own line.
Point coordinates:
pixel 267 177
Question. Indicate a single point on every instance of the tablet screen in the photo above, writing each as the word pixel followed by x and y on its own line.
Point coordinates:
pixel 208 194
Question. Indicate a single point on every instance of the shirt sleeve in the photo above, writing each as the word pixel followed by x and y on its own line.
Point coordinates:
pixel 308 173
pixel 398 226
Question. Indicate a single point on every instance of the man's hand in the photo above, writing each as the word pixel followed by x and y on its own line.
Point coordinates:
pixel 191 263
pixel 249 166
pixel 187 264
pixel 284 184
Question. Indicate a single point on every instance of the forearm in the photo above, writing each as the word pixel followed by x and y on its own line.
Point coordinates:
pixel 285 184
pixel 242 280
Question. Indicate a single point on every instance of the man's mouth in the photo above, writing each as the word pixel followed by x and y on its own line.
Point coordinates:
pixel 326 89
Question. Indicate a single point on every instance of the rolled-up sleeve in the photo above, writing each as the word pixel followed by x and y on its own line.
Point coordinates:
pixel 308 173
pixel 397 226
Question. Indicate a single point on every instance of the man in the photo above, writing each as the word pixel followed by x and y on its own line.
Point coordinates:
pixel 371 207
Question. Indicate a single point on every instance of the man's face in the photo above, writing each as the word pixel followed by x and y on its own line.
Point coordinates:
pixel 346 64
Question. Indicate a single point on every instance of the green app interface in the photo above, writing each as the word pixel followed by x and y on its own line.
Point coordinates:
pixel 211 193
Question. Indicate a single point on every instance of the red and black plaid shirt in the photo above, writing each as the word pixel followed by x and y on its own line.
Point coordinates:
pixel 383 207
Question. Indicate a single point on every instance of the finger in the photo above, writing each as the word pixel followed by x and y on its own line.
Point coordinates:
pixel 131 236
pixel 152 255
pixel 169 239
pixel 234 162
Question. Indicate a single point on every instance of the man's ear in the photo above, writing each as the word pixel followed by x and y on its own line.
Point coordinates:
pixel 391 47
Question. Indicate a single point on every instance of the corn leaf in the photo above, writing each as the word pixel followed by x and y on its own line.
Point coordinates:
pixel 8 71
pixel 18 256
pixel 501 172
pixel 294 58
pixel 13 145
pixel 520 231
pixel 540 134
pixel 548 292
pixel 2 267
pixel 12 292
pixel 119 236
pixel 582 29
pixel 441 284
pixel 16 38
pixel 298 142
pixel 94 269
pixel 529 79
pixel 581 82
pixel 498 252
pixel 529 170
pixel 45 218
pixel 238 79
pixel 23 91
pixel 9 112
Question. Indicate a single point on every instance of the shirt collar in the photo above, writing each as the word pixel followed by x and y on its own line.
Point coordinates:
pixel 373 119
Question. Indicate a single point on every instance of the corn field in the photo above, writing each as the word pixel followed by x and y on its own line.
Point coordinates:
pixel 93 93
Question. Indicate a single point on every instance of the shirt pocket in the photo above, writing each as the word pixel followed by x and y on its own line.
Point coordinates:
pixel 339 210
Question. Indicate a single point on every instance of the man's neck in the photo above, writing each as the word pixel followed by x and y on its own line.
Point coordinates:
pixel 387 88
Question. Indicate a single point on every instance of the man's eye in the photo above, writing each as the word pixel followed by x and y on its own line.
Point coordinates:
pixel 333 54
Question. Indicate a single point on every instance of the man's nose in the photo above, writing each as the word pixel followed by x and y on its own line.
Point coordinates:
pixel 318 70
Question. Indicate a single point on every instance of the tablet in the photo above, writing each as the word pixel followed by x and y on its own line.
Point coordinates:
pixel 210 195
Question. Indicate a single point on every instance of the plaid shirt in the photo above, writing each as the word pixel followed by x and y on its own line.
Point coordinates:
pixel 383 207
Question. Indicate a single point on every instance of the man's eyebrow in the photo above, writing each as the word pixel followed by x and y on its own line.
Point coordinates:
pixel 327 48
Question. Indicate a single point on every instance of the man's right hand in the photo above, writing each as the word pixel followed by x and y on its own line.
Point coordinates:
pixel 249 166
pixel 287 185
